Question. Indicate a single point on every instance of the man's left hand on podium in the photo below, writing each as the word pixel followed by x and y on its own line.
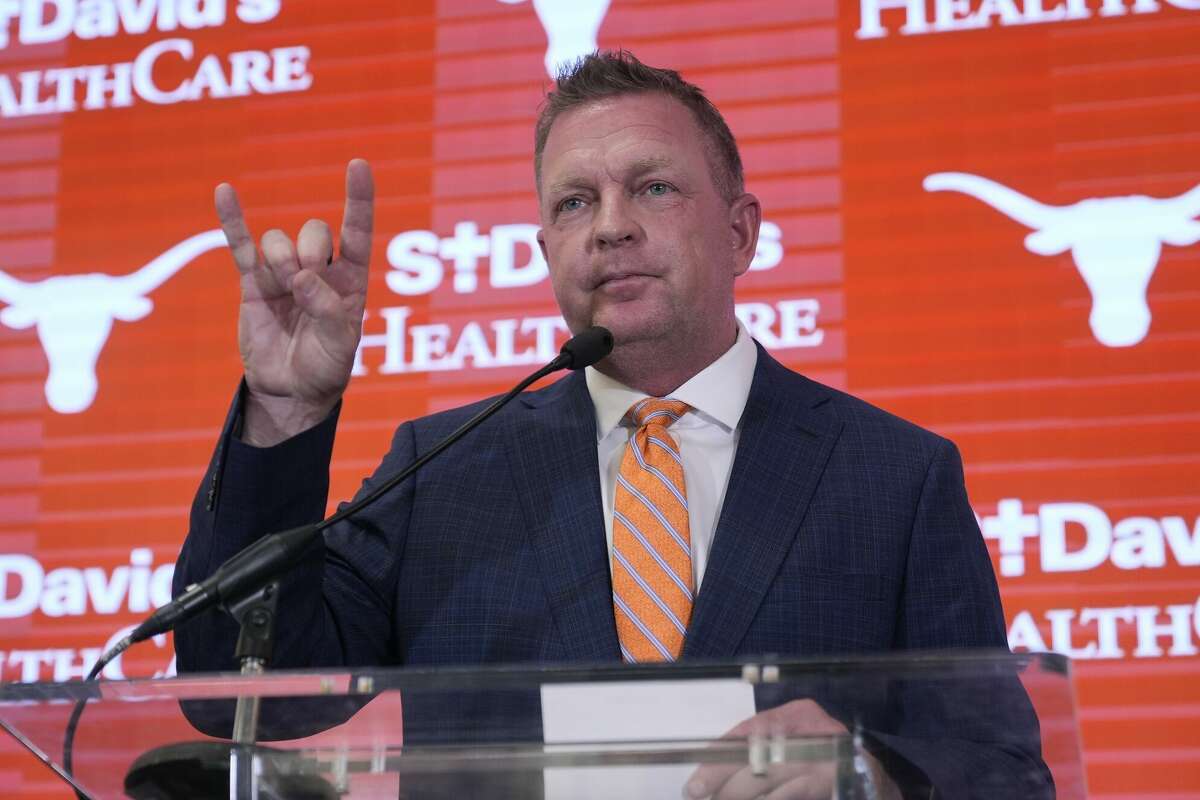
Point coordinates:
pixel 783 781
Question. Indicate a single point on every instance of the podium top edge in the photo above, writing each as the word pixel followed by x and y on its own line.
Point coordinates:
pixel 911 665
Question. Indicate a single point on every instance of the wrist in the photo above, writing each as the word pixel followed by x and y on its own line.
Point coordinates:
pixel 268 420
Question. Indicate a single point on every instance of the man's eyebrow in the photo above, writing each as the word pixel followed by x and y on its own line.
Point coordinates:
pixel 648 164
pixel 567 184
pixel 634 169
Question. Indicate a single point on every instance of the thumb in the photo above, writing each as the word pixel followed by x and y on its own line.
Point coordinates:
pixel 315 297
pixel 334 326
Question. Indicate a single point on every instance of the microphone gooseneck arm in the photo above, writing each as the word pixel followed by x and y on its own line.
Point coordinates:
pixel 275 553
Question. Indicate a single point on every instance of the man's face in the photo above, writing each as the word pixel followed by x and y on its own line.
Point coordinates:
pixel 636 235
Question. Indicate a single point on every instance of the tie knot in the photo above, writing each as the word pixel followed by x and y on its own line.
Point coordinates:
pixel 657 411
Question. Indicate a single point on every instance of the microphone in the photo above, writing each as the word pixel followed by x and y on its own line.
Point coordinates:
pixel 587 348
pixel 275 553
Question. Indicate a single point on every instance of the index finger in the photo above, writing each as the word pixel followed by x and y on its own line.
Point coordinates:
pixel 800 717
pixel 708 778
pixel 233 223
pixel 358 220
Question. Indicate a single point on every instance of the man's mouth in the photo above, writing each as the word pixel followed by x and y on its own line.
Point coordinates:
pixel 618 280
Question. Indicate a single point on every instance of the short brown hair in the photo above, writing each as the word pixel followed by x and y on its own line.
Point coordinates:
pixel 605 74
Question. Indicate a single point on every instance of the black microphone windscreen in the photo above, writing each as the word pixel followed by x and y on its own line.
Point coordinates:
pixel 588 347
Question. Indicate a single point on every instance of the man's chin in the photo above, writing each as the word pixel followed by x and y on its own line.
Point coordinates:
pixel 635 321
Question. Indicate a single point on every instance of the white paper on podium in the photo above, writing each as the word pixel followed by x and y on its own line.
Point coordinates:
pixel 635 711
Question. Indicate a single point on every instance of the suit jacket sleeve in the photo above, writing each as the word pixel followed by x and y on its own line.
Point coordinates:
pixel 973 738
pixel 950 599
pixel 249 492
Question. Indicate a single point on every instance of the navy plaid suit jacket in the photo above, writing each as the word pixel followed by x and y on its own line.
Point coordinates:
pixel 844 530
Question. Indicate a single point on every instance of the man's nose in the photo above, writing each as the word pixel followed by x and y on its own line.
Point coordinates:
pixel 614 225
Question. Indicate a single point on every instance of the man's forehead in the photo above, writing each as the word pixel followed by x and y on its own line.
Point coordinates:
pixel 648 109
pixel 661 127
pixel 642 118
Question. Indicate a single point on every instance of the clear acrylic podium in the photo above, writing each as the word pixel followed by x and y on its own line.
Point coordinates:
pixel 963 724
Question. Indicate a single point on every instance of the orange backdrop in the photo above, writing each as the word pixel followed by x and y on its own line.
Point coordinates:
pixel 1079 424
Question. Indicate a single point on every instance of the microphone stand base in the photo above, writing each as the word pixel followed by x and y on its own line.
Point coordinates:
pixel 202 771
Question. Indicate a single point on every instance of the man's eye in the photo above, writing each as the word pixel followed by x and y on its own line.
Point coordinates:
pixel 570 204
pixel 658 189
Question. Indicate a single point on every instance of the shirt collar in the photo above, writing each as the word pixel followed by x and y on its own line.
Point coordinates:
pixel 718 391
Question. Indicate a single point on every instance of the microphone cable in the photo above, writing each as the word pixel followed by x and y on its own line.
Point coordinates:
pixel 276 553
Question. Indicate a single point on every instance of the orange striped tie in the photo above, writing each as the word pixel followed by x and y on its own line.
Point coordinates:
pixel 652 548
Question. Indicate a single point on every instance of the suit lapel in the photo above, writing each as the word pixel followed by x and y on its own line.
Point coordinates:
pixel 784 445
pixel 551 443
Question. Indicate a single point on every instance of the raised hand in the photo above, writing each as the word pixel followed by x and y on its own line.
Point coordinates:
pixel 301 312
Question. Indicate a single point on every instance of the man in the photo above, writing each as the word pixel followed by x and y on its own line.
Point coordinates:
pixel 754 512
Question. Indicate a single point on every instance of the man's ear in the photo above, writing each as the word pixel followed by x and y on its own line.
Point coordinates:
pixel 541 240
pixel 745 215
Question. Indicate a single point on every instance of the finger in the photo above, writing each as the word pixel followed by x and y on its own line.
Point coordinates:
pixel 707 779
pixel 817 785
pixel 314 246
pixel 745 785
pixel 780 781
pixel 320 301
pixel 281 258
pixel 316 297
pixel 807 717
pixel 233 223
pixel 358 219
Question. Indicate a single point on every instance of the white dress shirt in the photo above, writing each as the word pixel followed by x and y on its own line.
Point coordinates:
pixel 707 437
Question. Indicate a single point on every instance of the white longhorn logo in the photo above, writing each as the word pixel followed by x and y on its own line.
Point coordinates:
pixel 571 28
pixel 74 314
pixel 1115 242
